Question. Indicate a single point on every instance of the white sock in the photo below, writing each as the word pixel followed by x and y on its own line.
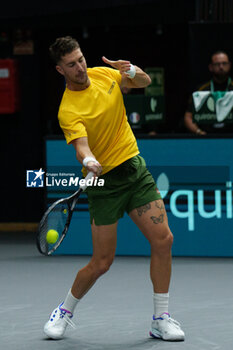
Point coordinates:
pixel 160 303
pixel 70 302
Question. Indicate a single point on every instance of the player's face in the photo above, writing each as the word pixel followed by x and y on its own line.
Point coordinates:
pixel 74 68
pixel 220 66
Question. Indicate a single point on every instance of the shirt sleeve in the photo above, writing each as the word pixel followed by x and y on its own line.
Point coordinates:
pixel 72 130
pixel 112 73
pixel 116 75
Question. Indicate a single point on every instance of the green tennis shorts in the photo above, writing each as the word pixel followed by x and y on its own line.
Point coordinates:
pixel 126 187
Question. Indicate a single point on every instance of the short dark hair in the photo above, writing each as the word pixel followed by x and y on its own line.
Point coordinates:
pixel 61 47
pixel 218 53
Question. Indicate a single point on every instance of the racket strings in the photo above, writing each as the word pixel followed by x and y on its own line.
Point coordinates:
pixel 55 220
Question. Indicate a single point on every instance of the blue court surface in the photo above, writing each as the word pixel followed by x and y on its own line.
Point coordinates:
pixel 116 313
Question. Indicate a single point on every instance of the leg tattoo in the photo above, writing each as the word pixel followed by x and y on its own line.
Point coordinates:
pixel 143 209
pixel 159 204
pixel 157 220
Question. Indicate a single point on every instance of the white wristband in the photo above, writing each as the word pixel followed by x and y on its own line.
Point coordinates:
pixel 131 72
pixel 89 159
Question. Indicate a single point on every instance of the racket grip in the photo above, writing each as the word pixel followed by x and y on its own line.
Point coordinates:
pixel 89 176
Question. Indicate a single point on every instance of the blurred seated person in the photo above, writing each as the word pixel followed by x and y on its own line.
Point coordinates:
pixel 219 84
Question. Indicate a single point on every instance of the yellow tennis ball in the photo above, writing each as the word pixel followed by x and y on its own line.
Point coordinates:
pixel 65 211
pixel 52 236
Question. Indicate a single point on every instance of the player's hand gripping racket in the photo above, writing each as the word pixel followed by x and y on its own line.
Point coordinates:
pixel 55 223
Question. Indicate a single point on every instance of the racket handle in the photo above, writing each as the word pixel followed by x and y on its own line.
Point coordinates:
pixel 89 176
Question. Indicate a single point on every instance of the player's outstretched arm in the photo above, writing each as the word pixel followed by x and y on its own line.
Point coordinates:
pixel 132 76
pixel 85 156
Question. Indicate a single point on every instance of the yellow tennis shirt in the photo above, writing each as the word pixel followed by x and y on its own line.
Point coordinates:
pixel 98 113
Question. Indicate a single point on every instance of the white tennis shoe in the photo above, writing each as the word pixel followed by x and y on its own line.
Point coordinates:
pixel 57 323
pixel 164 327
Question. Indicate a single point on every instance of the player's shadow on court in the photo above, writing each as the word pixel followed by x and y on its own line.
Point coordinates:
pixel 75 344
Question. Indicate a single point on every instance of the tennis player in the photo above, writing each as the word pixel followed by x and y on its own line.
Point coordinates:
pixel 93 118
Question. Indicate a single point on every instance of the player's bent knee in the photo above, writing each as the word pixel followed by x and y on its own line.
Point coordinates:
pixel 163 244
pixel 170 239
pixel 102 266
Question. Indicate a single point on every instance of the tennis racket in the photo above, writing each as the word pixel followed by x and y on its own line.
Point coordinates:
pixel 58 217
